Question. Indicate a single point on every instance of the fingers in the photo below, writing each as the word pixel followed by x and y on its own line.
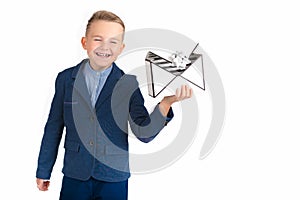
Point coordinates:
pixel 177 94
pixel 190 93
pixel 184 93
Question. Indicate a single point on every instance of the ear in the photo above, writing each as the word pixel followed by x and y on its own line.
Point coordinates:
pixel 122 47
pixel 83 42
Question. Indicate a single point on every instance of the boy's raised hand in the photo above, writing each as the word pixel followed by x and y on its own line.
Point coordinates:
pixel 184 92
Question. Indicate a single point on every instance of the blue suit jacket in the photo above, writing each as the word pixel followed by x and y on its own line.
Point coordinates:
pixel 96 139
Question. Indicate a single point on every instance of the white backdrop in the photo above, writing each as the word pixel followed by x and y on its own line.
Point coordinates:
pixel 254 45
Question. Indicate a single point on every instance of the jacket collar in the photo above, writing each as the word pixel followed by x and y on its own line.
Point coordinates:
pixel 109 85
pixel 81 87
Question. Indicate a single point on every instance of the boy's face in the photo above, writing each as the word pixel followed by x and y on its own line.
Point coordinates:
pixel 103 43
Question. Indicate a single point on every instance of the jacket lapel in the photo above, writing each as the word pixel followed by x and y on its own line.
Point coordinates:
pixel 80 84
pixel 109 85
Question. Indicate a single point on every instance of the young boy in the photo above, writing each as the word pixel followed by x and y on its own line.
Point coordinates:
pixel 94 101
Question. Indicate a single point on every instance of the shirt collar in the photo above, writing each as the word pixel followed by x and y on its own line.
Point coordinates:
pixel 89 70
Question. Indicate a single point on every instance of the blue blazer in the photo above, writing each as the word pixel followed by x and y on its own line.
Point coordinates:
pixel 96 139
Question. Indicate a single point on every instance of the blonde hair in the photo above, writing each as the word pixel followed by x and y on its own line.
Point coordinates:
pixel 106 16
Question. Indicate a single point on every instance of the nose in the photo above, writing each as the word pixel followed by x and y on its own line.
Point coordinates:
pixel 104 45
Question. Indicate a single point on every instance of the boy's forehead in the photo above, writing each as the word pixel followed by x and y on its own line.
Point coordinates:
pixel 105 29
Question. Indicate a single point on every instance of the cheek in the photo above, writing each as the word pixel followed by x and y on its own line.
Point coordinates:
pixel 91 46
pixel 90 49
pixel 118 51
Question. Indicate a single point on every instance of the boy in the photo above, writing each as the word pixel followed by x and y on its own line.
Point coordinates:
pixel 94 101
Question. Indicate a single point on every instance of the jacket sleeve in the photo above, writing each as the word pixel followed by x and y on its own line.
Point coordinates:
pixel 146 126
pixel 52 132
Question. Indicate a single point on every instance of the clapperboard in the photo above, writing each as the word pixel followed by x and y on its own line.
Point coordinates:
pixel 161 72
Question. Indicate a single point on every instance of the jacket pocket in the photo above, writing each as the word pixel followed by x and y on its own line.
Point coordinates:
pixel 72 146
pixel 70 102
pixel 114 150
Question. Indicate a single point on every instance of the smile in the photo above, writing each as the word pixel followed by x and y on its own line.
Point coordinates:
pixel 103 54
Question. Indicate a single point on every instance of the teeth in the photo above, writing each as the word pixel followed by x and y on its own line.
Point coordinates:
pixel 102 54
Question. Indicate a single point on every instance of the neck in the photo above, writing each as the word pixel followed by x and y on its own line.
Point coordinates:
pixel 98 68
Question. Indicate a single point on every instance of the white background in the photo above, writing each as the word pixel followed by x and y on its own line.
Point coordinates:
pixel 255 47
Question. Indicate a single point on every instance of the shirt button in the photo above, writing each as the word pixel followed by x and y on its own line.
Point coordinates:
pixel 92 118
pixel 91 143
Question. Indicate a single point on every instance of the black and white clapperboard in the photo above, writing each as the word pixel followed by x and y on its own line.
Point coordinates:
pixel 161 71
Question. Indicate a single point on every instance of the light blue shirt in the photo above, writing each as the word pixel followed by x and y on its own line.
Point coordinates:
pixel 95 81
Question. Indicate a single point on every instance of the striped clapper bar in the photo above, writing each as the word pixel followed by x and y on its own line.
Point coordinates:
pixel 161 72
